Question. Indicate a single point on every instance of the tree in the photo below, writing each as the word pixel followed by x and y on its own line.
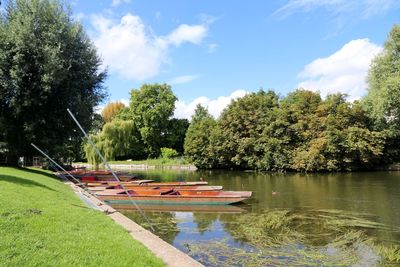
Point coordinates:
pixel 243 123
pixel 174 136
pixel 111 110
pixel 151 107
pixel 47 64
pixel 201 140
pixel 335 137
pixel 301 132
pixel 383 99
pixel 200 113
pixel 118 138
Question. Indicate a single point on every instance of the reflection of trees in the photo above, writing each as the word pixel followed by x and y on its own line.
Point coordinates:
pixel 164 223
pixel 204 221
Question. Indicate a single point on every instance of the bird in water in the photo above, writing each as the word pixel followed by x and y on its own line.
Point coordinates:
pixel 274 193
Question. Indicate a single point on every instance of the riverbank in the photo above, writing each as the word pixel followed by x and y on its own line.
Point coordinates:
pixel 151 164
pixel 43 223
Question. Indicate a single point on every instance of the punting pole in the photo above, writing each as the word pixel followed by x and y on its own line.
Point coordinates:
pixel 58 166
pixel 109 169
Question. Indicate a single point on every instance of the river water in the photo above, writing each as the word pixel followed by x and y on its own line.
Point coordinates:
pixel 341 219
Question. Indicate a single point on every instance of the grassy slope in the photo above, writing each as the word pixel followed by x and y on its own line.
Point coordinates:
pixel 43 223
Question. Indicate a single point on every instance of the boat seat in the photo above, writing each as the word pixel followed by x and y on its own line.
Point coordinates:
pixel 168 192
pixel 172 192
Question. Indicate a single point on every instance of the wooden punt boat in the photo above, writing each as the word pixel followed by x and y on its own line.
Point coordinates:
pixel 100 178
pixel 173 197
pixel 150 187
pixel 147 183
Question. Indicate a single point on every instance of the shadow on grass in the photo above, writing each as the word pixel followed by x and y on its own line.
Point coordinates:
pixel 22 181
pixel 40 172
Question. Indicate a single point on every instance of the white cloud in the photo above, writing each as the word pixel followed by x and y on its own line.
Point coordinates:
pixel 133 50
pixel 187 33
pixel 117 2
pixel 344 71
pixel 183 79
pixel 215 106
pixel 365 8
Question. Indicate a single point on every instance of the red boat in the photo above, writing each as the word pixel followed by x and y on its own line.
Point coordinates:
pixel 173 197
pixel 152 187
pixel 147 183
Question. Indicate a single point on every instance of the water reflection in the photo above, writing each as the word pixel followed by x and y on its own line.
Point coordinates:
pixel 323 220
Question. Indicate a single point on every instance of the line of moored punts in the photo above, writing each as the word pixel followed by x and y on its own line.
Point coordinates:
pixel 150 193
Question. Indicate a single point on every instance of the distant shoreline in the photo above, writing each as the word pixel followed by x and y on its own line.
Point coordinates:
pixel 189 167
pixel 141 166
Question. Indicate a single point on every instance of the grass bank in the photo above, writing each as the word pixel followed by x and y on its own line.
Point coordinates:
pixel 43 223
pixel 159 162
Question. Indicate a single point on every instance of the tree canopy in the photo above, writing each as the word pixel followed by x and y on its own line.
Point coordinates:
pixel 300 132
pixel 382 102
pixel 47 64
pixel 111 110
pixel 383 97
pixel 151 108
pixel 142 129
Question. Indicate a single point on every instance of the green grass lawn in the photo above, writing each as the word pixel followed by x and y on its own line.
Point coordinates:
pixel 43 223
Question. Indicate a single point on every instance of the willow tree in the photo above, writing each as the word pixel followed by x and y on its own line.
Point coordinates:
pixel 117 138
pixel 47 64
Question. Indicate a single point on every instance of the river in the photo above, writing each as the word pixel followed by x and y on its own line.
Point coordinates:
pixel 340 219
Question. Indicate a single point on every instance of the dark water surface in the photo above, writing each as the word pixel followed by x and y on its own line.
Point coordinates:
pixel 345 219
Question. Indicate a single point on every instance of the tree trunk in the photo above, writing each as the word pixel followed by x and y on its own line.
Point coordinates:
pixel 12 160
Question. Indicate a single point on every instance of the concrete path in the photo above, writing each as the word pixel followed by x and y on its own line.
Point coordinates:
pixel 172 256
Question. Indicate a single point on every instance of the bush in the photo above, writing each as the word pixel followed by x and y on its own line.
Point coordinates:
pixel 168 153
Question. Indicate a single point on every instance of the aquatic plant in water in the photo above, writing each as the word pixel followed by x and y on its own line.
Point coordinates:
pixel 298 238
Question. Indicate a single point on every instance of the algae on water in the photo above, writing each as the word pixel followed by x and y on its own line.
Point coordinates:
pixel 298 238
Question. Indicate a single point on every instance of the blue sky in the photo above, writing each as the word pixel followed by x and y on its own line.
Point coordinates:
pixel 213 51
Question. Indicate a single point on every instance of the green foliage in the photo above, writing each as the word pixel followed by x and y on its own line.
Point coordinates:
pixel 300 132
pixel 111 110
pixel 242 124
pixel 200 113
pixel 383 99
pixel 140 131
pixel 334 136
pixel 118 138
pixel 47 64
pixel 174 135
pixel 168 153
pixel 202 137
pixel 151 107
